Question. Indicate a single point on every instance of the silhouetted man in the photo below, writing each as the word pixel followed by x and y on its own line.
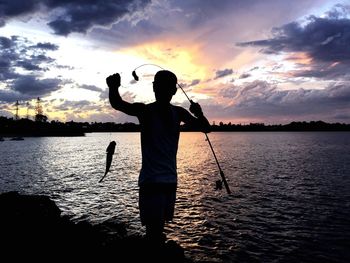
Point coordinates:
pixel 160 129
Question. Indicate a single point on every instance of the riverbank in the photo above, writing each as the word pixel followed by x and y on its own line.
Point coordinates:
pixel 31 226
pixel 28 128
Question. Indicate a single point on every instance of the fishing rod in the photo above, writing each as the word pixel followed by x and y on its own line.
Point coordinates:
pixel 223 178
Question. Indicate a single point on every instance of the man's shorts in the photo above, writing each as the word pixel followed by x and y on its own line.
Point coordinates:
pixel 157 203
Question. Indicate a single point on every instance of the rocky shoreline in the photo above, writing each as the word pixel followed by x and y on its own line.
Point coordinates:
pixel 32 227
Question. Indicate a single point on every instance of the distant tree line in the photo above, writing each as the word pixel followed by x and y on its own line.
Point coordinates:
pixel 26 127
pixel 293 126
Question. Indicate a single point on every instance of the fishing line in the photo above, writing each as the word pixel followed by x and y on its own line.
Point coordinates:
pixel 223 179
pixel 136 77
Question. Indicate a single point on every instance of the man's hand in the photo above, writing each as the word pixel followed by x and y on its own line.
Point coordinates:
pixel 113 81
pixel 196 109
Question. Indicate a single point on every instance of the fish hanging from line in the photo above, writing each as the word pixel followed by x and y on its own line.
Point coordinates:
pixel 110 151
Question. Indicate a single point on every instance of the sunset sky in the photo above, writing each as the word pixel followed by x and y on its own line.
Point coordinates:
pixel 244 61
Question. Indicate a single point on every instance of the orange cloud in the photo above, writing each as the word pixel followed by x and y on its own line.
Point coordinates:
pixel 300 58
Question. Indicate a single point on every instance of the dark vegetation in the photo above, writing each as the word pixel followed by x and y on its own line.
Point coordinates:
pixel 26 127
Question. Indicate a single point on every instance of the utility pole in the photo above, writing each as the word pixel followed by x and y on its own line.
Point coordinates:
pixel 39 116
pixel 38 107
pixel 16 115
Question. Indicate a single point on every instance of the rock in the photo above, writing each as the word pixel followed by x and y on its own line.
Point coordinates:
pixel 32 227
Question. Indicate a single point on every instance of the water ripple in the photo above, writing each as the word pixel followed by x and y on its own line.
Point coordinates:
pixel 290 198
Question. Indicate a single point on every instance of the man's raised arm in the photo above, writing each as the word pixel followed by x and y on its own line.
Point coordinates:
pixel 113 82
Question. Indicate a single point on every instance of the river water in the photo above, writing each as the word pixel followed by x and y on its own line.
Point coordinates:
pixel 290 198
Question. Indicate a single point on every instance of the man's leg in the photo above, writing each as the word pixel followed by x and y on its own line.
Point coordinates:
pixel 156 203
pixel 154 233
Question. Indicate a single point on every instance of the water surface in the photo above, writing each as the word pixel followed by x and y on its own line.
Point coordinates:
pixel 290 197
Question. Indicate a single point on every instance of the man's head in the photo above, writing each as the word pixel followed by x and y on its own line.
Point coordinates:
pixel 164 86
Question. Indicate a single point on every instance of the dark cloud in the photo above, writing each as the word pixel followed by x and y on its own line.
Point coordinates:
pixel 41 58
pixel 6 72
pixel 334 71
pixel 32 62
pixel 72 15
pixel 9 96
pixel 12 8
pixel 223 73
pixel 325 40
pixel 21 53
pixel 262 100
pixel 194 82
pixel 16 52
pixel 8 56
pixel 104 96
pixel 31 85
pixel 244 76
pixel 6 42
pixel 28 65
pixel 75 105
pixel 79 16
pixel 90 87
pixel 64 67
pixel 254 68
pixel 127 96
pixel 46 46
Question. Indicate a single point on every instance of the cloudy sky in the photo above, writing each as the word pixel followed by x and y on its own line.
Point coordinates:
pixel 244 61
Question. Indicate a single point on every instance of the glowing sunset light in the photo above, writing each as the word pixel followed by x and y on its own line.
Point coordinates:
pixel 225 53
pixel 184 60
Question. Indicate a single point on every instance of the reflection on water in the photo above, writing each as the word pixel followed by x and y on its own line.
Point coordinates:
pixel 290 201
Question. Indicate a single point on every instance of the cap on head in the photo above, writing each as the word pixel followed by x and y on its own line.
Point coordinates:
pixel 165 77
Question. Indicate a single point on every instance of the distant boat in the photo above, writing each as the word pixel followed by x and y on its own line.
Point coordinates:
pixel 18 138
